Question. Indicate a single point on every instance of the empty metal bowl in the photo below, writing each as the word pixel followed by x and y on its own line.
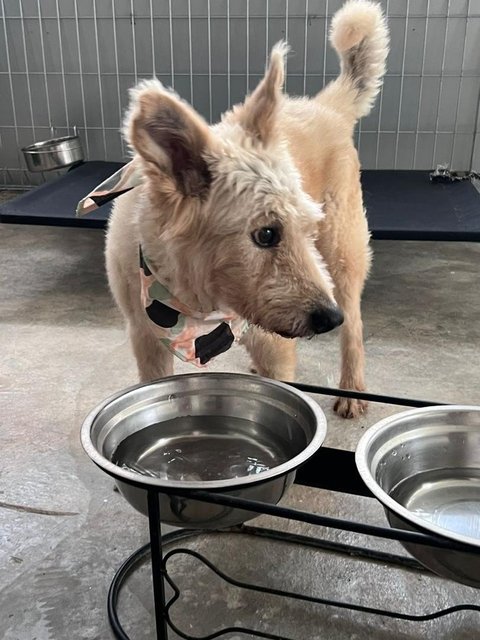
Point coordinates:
pixel 236 434
pixel 55 153
pixel 424 467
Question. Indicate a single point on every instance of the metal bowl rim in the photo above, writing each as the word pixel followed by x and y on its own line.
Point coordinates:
pixel 383 497
pixel 44 145
pixel 231 483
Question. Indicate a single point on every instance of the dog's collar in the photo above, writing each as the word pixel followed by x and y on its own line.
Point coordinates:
pixel 190 335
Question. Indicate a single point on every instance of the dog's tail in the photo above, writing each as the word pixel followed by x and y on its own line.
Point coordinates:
pixel 359 34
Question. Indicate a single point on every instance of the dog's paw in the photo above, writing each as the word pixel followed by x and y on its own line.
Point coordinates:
pixel 350 408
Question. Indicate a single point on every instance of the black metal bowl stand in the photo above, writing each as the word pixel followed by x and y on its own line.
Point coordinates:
pixel 321 471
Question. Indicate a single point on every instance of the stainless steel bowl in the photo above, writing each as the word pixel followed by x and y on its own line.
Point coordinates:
pixel 235 434
pixel 424 467
pixel 55 153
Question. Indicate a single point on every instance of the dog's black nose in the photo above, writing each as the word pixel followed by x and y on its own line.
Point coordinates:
pixel 325 319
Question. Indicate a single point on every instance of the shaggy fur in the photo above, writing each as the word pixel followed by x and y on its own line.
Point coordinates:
pixel 274 161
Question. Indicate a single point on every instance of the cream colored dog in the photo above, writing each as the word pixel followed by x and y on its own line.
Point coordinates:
pixel 259 216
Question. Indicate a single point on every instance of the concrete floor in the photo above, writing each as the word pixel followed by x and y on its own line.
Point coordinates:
pixel 64 531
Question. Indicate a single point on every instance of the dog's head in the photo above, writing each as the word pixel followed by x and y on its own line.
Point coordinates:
pixel 226 204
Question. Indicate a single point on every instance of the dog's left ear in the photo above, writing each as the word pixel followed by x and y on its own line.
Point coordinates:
pixel 169 134
pixel 258 115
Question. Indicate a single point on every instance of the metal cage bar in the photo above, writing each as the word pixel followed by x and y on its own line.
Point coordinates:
pixel 82 88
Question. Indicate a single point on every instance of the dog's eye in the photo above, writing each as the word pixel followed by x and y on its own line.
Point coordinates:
pixel 266 237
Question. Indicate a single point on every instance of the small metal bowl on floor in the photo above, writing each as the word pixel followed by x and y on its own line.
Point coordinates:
pixel 235 434
pixel 423 465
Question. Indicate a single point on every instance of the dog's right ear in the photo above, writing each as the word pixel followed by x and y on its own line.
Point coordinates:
pixel 258 115
pixel 168 133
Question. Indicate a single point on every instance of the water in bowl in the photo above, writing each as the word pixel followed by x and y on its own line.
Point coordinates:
pixel 448 498
pixel 206 448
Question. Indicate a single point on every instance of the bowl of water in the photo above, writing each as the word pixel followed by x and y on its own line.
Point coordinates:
pixel 423 465
pixel 233 434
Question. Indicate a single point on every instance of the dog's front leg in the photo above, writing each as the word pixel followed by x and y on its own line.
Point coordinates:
pixel 154 360
pixel 272 356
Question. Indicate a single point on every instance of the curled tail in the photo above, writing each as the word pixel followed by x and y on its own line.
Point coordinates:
pixel 359 35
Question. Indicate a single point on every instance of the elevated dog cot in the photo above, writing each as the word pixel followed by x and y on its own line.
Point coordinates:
pixel 401 205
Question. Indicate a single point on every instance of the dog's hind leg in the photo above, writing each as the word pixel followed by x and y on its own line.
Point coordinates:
pixel 272 356
pixel 154 360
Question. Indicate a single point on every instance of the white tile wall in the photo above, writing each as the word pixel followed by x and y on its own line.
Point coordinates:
pixel 66 63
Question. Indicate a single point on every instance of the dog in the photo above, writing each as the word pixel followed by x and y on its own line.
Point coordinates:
pixel 254 226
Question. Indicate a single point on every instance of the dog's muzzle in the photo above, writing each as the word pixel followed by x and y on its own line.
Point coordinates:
pixel 325 319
